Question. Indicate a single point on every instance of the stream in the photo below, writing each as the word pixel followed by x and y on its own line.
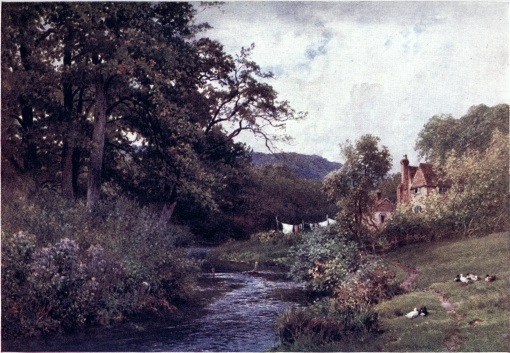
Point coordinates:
pixel 240 319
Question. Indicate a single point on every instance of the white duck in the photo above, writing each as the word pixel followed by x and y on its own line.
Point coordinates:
pixel 412 314
pixel 464 279
pixel 472 277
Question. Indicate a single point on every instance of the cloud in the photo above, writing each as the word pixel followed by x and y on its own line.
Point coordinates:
pixel 372 67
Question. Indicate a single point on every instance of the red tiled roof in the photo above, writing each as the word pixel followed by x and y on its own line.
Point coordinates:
pixel 383 205
pixel 424 176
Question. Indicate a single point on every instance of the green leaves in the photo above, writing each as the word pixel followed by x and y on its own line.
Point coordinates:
pixel 443 134
pixel 478 197
pixel 323 260
pixel 137 68
pixel 366 164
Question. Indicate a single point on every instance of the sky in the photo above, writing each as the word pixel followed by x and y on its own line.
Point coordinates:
pixel 380 68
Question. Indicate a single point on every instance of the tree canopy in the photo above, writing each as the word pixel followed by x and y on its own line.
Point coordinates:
pixel 109 98
pixel 473 131
pixel 352 187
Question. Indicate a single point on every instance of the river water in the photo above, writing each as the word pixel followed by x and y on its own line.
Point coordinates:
pixel 240 319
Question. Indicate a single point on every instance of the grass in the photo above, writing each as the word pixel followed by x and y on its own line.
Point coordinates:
pixel 440 261
pixel 480 321
pixel 242 255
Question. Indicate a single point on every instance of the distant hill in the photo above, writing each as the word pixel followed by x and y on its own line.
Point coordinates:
pixel 306 166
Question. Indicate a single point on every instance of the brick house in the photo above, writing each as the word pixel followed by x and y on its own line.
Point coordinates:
pixel 380 212
pixel 417 183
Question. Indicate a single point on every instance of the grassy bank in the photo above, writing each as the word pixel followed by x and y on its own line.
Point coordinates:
pixel 242 255
pixel 471 317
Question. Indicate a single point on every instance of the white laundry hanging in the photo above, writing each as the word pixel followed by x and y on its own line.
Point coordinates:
pixel 287 228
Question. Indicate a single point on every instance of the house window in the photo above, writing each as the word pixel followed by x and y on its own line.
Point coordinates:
pixel 382 218
pixel 417 190
pixel 442 190
pixel 417 209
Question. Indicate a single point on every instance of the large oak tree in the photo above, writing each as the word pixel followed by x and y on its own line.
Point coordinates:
pixel 134 83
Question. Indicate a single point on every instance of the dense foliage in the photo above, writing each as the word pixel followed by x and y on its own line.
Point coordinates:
pixel 276 191
pixel 323 260
pixel 63 269
pixel 109 99
pixel 347 284
pixel 353 186
pixel 443 134
pixel 118 117
pixel 478 200
pixel 476 172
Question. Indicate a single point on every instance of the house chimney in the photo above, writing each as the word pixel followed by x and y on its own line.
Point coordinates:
pixel 378 196
pixel 404 188
pixel 404 169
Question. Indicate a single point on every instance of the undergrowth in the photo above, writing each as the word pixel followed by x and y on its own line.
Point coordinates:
pixel 64 268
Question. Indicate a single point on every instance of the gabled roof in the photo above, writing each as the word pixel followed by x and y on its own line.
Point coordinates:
pixel 383 205
pixel 424 176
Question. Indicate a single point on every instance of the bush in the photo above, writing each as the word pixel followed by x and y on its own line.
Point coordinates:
pixel 130 234
pixel 475 203
pixel 54 288
pixel 276 237
pixel 350 282
pixel 369 284
pixel 323 323
pixel 323 260
pixel 64 268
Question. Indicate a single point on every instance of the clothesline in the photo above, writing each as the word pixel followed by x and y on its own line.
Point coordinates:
pixel 287 228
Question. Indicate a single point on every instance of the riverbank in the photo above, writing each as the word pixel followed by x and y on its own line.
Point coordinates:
pixel 471 317
pixel 134 325
pixel 243 255
pixel 231 312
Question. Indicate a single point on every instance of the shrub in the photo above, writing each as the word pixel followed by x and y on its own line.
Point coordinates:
pixel 475 203
pixel 54 288
pixel 130 234
pixel 323 323
pixel 17 250
pixel 323 260
pixel 276 237
pixel 350 283
pixel 369 284
pixel 85 268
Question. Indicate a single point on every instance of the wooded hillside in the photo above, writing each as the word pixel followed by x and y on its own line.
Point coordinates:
pixel 306 166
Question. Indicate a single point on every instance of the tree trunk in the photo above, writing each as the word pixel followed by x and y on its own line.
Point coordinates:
pixel 68 190
pixel 76 168
pixel 70 169
pixel 97 150
pixel 167 211
pixel 30 160
pixel 67 171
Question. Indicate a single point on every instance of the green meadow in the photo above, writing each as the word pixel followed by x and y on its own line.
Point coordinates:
pixel 478 313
